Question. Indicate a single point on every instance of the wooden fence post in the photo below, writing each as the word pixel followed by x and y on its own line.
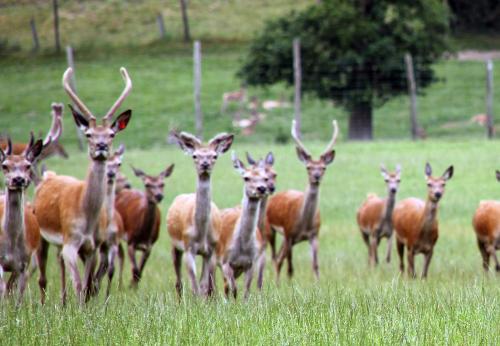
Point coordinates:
pixel 71 63
pixel 161 25
pixel 197 89
pixel 185 21
pixel 412 91
pixel 34 34
pixel 298 84
pixel 489 98
pixel 57 37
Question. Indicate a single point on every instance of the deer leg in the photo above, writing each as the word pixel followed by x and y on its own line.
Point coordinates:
pixel 177 259
pixel 411 263
pixel 90 264
pixel 135 268
pixel 492 251
pixel 23 278
pixel 2 283
pixel 11 284
pixel 366 239
pixel 314 252
pixel 41 258
pixel 248 281
pixel 121 259
pixel 229 275
pixel 70 256
pixel 190 262
pixel 289 262
pixel 103 265
pixel 373 251
pixel 389 249
pixel 111 266
pixel 144 259
pixel 63 278
pixel 427 262
pixel 272 242
pixel 281 256
pixel 401 251
pixel 484 254
pixel 261 263
pixel 206 284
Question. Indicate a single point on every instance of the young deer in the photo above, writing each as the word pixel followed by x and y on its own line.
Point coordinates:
pixel 375 216
pixel 192 218
pixel 69 210
pixel 416 224
pixel 19 230
pixel 262 237
pixel 295 213
pixel 486 224
pixel 237 247
pixel 239 96
pixel 114 229
pixel 141 217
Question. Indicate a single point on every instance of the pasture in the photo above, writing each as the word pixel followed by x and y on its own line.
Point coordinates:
pixel 351 304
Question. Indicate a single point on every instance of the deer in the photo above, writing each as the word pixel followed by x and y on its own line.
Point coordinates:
pixel 111 247
pixel 374 217
pixel 262 237
pixel 416 223
pixel 193 218
pixel 237 248
pixel 141 217
pixel 71 212
pixel 486 224
pixel 296 214
pixel 239 96
pixel 19 229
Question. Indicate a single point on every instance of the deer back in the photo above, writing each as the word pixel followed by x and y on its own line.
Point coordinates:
pixel 486 221
pixel 407 220
pixel 370 213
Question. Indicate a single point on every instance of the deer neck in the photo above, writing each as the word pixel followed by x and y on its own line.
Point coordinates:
pixel 149 217
pixel 262 213
pixel 110 199
pixel 13 218
pixel 309 207
pixel 95 191
pixel 203 204
pixel 388 208
pixel 248 219
pixel 429 216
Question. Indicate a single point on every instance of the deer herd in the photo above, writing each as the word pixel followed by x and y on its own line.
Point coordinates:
pixel 92 219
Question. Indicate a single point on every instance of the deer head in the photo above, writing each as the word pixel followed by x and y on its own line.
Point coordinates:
pixel 392 180
pixel 100 137
pixel 267 164
pixel 114 163
pixel 315 168
pixel 204 155
pixel 17 168
pixel 254 177
pixel 154 184
pixel 435 186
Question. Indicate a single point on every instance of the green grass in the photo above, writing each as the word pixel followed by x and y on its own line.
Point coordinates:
pixel 351 304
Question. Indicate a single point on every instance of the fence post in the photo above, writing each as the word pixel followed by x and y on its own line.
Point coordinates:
pixel 297 83
pixel 197 89
pixel 34 34
pixel 161 25
pixel 412 91
pixel 72 82
pixel 489 98
pixel 57 38
pixel 185 21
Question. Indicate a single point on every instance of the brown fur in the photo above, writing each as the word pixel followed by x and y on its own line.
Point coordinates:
pixel 486 224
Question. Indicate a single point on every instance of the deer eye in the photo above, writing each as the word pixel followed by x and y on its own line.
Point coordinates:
pixel 195 156
pixel 386 180
pixel 148 185
pixel 266 179
pixel 215 157
pixel 429 185
pixel 398 181
pixel 112 135
pixel 87 135
pixel 5 167
pixel 246 179
pixel 28 166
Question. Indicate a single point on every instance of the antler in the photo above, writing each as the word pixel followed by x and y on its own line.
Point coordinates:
pixel 296 138
pixel 66 84
pixel 56 126
pixel 119 101
pixel 334 136
pixel 30 143
pixel 9 146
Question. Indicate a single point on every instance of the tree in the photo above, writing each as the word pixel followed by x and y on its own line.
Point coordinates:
pixel 185 21
pixel 352 52
pixel 475 15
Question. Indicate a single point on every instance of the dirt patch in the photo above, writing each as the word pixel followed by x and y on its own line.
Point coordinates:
pixel 475 55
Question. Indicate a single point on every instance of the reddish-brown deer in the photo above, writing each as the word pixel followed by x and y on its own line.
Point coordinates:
pixel 416 223
pixel 237 246
pixel 141 217
pixel 296 214
pixel 486 224
pixel 19 230
pixel 70 211
pixel 192 218
pixel 375 216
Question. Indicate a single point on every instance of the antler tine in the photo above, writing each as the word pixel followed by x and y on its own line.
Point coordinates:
pixel 334 136
pixel 67 87
pixel 296 138
pixel 55 127
pixel 9 146
pixel 30 143
pixel 126 91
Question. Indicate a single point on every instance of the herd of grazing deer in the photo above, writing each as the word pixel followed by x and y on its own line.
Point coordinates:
pixel 91 219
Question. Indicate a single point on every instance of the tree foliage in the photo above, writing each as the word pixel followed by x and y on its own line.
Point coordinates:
pixel 475 15
pixel 351 51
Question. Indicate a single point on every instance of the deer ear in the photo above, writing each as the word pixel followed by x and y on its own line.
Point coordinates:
pixel 168 171
pixel 2 155
pixel 186 141
pixel 138 173
pixel 222 142
pixel 302 155
pixel 80 120
pixel 448 174
pixel 237 163
pixel 398 169
pixel 428 169
pixel 383 171
pixel 121 121
pixel 328 157
pixel 34 151
pixel 120 150
pixel 270 158
pixel 250 159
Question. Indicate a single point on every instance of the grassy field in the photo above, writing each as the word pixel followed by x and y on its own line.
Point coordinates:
pixel 351 304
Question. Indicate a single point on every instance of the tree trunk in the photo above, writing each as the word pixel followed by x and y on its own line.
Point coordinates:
pixel 361 122
pixel 185 21
pixel 57 37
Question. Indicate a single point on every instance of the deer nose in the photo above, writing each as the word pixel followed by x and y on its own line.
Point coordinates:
pixel 261 189
pixel 438 195
pixel 102 146
pixel 205 165
pixel 111 174
pixel 393 190
pixel 18 181
pixel 159 197
pixel 272 188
